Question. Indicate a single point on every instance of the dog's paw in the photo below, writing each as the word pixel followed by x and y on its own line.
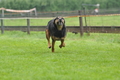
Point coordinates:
pixel 49 47
pixel 61 46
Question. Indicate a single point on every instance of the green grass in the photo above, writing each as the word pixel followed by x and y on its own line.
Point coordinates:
pixel 26 57
pixel 91 21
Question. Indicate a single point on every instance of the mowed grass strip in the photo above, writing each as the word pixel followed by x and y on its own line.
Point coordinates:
pixel 26 57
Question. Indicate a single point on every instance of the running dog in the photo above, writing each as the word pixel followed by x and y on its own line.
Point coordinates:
pixel 57 31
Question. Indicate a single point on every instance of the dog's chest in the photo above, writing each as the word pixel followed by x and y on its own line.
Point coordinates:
pixel 58 33
pixel 55 32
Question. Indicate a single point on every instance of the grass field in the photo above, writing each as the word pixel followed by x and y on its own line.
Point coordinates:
pixel 91 21
pixel 26 57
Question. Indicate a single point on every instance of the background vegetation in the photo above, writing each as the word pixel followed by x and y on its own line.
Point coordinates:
pixel 26 57
pixel 57 5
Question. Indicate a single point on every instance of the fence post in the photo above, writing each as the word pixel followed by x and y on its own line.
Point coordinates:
pixel 2 13
pixel 2 26
pixel 81 24
pixel 28 26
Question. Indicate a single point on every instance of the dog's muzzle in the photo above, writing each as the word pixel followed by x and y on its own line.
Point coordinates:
pixel 60 23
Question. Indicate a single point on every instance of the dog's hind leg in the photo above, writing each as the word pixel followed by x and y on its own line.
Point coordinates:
pixel 62 44
pixel 53 43
pixel 48 37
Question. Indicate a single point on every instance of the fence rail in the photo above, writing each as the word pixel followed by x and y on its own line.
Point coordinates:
pixel 94 29
pixel 58 13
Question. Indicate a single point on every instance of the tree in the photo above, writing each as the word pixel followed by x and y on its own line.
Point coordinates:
pixel 57 5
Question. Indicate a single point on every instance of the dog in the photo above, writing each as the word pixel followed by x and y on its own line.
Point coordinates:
pixel 56 29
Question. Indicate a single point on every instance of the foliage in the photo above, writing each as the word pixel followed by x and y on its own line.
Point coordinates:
pixel 57 5
pixel 26 57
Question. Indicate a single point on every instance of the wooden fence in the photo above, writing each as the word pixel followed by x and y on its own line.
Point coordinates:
pixel 92 29
pixel 75 29
pixel 29 28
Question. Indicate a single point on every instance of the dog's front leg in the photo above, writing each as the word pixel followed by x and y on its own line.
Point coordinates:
pixel 48 37
pixel 53 43
pixel 62 43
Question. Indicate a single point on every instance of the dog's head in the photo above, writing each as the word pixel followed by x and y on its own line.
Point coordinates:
pixel 59 22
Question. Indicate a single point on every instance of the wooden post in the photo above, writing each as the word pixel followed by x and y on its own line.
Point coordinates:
pixel 2 13
pixel 81 24
pixel 28 26
pixel 2 27
pixel 35 12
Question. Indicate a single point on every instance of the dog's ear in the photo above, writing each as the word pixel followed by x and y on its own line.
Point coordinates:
pixel 57 17
pixel 56 20
pixel 63 20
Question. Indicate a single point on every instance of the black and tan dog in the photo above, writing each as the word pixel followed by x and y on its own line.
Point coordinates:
pixel 57 31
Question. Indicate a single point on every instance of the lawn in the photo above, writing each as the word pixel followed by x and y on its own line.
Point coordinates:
pixel 26 57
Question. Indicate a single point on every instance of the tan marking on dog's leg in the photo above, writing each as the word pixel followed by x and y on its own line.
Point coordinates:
pixel 48 38
pixel 53 43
